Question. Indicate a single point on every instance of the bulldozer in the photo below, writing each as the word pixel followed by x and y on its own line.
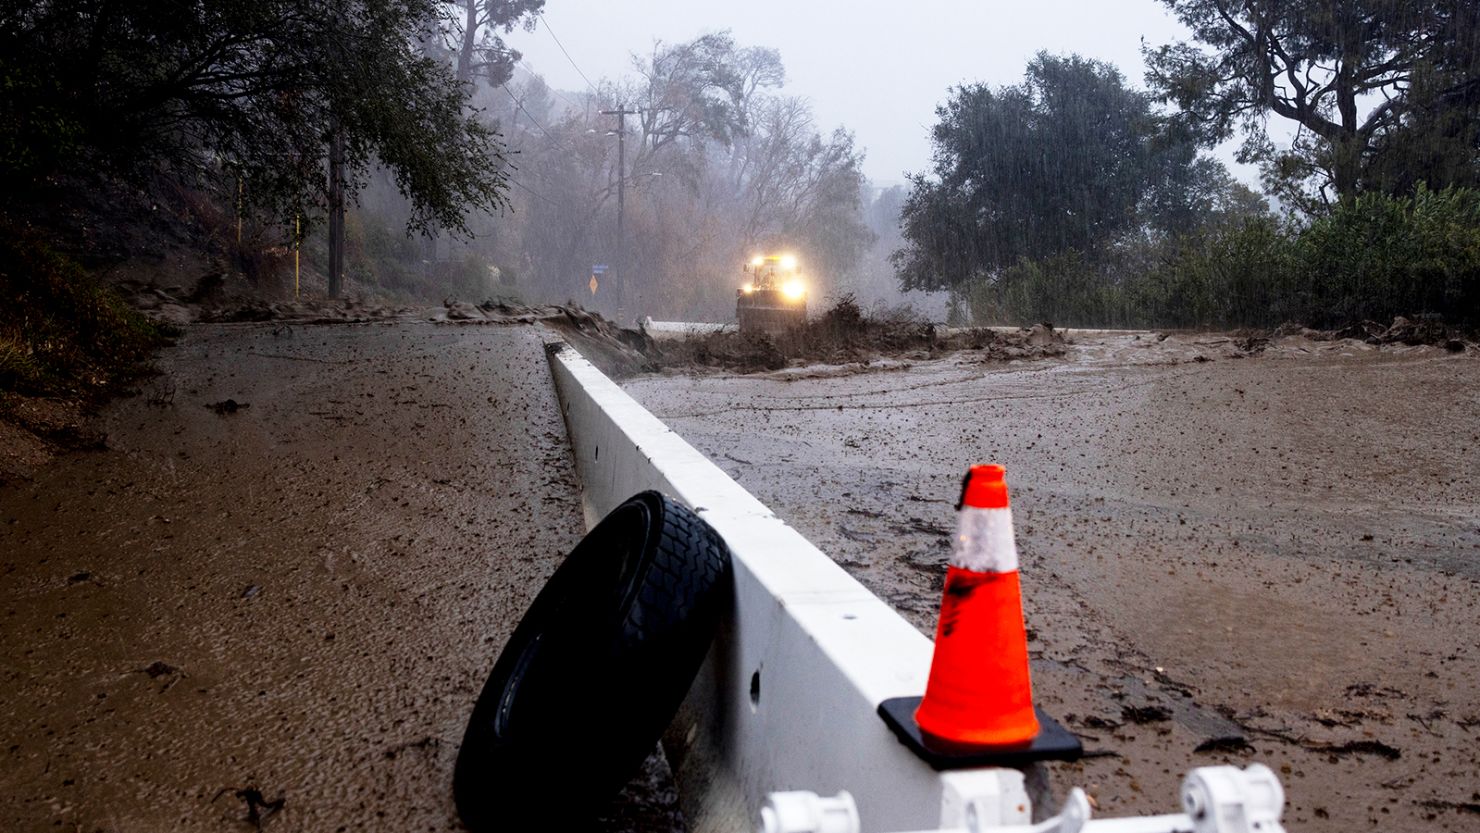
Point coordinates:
pixel 774 298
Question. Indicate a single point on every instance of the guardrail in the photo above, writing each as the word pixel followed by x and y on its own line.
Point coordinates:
pixel 788 696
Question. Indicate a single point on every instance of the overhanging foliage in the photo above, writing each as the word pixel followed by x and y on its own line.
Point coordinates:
pixel 217 91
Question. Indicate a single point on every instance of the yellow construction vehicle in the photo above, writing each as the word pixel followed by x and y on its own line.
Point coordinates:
pixel 774 298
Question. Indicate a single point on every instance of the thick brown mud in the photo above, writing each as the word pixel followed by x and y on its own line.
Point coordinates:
pixel 1231 552
pixel 273 599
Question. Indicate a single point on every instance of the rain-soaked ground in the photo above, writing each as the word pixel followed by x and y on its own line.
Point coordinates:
pixel 276 612
pixel 1273 558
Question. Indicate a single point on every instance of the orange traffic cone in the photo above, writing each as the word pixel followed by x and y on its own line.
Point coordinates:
pixel 979 692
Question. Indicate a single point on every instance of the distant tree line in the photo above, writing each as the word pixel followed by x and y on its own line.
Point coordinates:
pixel 1073 198
pixel 719 163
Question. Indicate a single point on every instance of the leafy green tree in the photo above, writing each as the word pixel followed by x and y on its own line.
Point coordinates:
pixel 216 91
pixel 1362 79
pixel 1071 160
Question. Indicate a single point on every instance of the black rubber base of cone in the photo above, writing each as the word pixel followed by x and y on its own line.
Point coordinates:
pixel 1054 742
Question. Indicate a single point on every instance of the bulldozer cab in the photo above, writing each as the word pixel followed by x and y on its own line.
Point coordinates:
pixel 774 299
pixel 770 270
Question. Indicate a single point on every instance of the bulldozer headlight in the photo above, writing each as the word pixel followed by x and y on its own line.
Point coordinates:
pixel 748 288
pixel 756 261
pixel 789 262
pixel 794 290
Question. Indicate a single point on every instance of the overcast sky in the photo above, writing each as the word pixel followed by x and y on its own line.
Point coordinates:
pixel 877 68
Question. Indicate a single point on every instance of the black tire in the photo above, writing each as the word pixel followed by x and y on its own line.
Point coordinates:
pixel 595 670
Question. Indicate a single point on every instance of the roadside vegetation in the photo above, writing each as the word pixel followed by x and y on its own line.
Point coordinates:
pixel 1074 198
pixel 1374 258
pixel 67 342
pixel 65 334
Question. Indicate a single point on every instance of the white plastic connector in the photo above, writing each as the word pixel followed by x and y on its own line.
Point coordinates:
pixel 806 812
pixel 991 797
pixel 1217 799
pixel 1226 799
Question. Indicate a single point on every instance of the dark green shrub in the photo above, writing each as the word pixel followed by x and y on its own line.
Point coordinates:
pixel 1066 290
pixel 61 332
pixel 1237 275
pixel 1376 257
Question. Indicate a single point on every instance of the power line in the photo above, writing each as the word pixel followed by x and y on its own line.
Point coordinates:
pixel 561 95
pixel 530 190
pixel 567 54
pixel 532 120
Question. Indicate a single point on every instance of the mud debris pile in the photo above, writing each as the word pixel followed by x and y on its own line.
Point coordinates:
pixel 845 334
pixel 1422 330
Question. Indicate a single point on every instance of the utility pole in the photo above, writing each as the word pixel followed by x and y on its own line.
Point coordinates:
pixel 336 208
pixel 621 113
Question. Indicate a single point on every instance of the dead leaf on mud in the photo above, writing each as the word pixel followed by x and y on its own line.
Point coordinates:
pixel 158 669
pixel 1229 743
pixel 921 526
pixel 1333 750
pixel 1095 722
pixel 1472 806
pixel 1362 747
pixel 855 535
pixel 1372 690
pixel 1146 714
pixel 426 743
pixel 228 406
pixel 925 561
pixel 259 809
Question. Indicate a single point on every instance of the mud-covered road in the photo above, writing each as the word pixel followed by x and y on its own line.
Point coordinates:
pixel 1226 558
pixel 276 612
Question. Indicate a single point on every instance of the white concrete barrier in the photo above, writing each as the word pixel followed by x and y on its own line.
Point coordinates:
pixel 788 696
pixel 664 330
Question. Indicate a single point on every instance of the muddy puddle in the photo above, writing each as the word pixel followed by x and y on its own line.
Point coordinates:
pixel 1232 552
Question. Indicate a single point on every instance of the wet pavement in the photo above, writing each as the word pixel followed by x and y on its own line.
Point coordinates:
pixel 272 601
pixel 1227 557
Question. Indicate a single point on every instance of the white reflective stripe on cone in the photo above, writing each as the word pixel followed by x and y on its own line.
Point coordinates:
pixel 984 541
